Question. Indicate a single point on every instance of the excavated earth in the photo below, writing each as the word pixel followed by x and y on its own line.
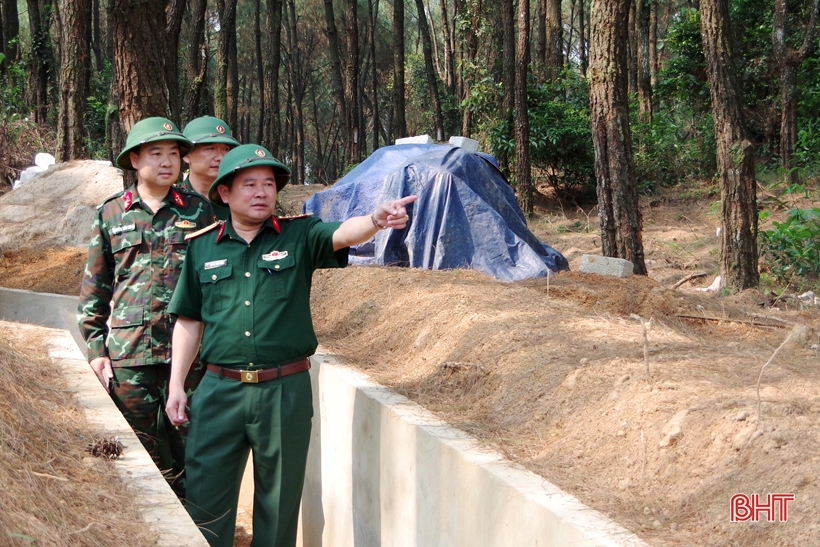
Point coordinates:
pixel 649 403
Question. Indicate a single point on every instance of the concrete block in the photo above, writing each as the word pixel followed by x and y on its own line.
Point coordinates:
pixel 418 139
pixel 469 145
pixel 604 265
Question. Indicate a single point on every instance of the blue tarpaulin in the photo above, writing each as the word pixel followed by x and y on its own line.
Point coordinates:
pixel 466 215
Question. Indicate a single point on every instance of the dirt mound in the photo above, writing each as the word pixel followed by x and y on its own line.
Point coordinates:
pixel 57 206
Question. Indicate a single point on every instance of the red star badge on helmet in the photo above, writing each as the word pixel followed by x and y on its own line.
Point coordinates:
pixel 220 129
pixel 167 126
pixel 259 152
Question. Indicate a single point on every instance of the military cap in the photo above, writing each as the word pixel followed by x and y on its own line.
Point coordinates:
pixel 209 130
pixel 151 130
pixel 242 157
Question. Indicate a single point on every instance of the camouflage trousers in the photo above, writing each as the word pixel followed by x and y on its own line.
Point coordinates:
pixel 141 394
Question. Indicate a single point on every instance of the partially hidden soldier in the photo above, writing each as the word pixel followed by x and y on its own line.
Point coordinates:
pixel 245 294
pixel 212 139
pixel 134 261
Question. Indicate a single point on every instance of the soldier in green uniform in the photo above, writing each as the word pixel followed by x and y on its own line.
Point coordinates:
pixel 134 260
pixel 245 294
pixel 212 139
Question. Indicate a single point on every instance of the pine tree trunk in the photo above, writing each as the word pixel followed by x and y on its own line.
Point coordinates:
pixel 11 30
pixel 74 65
pixel 508 73
pixel 449 63
pixel 555 41
pixel 173 26
pixel 523 174
pixel 541 34
pixel 139 59
pixel 432 83
pixel 373 12
pixel 789 61
pixel 644 76
pixel 273 122
pixel 735 153
pixel 260 69
pixel 197 65
pixel 398 127
pixel 653 42
pixel 619 213
pixel 582 39
pixel 40 59
pixel 351 81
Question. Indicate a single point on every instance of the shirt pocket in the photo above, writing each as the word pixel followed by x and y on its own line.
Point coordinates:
pixel 277 277
pixel 126 248
pixel 125 336
pixel 177 247
pixel 215 288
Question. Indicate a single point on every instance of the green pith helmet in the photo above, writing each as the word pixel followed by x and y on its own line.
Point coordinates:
pixel 151 130
pixel 242 157
pixel 209 130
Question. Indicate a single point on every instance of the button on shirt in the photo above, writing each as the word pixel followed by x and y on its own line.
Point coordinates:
pixel 254 298
pixel 134 261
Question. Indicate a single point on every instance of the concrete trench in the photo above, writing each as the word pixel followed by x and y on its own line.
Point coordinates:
pixel 382 471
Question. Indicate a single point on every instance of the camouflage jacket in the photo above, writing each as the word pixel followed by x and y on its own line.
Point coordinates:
pixel 221 212
pixel 134 261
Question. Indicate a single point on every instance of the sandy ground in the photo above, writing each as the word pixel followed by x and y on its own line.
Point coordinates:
pixel 658 430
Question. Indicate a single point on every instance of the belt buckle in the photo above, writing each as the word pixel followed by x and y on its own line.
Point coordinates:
pixel 249 377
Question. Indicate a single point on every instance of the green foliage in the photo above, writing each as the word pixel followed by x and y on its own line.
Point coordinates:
pixel 560 134
pixel 683 77
pixel 673 146
pixel 791 248
pixel 96 109
pixel 13 90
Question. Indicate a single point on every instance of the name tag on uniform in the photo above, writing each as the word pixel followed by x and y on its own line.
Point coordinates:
pixel 123 228
pixel 216 264
pixel 275 255
pixel 185 224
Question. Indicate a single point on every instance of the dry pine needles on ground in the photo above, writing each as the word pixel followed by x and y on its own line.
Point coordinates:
pixel 54 493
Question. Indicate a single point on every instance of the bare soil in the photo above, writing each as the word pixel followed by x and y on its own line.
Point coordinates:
pixel 658 431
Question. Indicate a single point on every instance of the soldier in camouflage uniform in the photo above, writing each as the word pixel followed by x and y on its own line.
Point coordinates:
pixel 212 139
pixel 134 261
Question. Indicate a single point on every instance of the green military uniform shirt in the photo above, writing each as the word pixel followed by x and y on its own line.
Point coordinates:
pixel 222 212
pixel 134 261
pixel 254 298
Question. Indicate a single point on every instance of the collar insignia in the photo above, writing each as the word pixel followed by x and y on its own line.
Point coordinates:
pixel 221 231
pixel 177 198
pixel 185 224
pixel 274 255
pixel 128 199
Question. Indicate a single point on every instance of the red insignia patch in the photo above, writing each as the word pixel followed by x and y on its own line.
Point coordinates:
pixel 168 126
pixel 221 231
pixel 259 152
pixel 127 199
pixel 177 198
pixel 220 129
pixel 275 223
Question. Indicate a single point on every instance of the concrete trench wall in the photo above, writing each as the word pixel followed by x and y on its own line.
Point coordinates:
pixel 382 471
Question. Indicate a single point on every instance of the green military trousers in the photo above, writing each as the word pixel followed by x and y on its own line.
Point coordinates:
pixel 230 418
pixel 141 393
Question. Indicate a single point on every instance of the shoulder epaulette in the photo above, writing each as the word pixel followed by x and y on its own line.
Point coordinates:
pixel 204 230
pixel 295 217
pixel 109 198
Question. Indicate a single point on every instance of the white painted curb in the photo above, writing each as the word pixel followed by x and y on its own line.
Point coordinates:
pixel 385 472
